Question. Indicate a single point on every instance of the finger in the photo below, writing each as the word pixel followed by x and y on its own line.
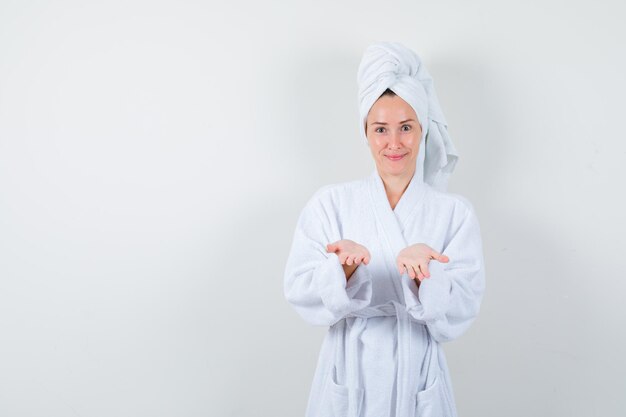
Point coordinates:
pixel 366 260
pixel 439 257
pixel 410 271
pixel 331 247
pixel 349 260
pixel 418 273
pixel 425 271
pixel 342 258
pixel 357 260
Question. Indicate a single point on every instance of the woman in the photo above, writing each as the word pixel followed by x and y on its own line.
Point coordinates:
pixel 392 263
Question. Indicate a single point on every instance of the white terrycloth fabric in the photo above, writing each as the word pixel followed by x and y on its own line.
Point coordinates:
pixel 394 66
pixel 382 354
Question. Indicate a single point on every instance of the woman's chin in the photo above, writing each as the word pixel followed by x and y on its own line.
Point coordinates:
pixel 394 168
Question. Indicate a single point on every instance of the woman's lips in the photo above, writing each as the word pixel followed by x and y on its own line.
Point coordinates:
pixel 395 157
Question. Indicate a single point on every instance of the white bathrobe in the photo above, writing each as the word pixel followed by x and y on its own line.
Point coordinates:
pixel 382 355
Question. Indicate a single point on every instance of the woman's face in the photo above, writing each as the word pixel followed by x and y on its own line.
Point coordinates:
pixel 393 132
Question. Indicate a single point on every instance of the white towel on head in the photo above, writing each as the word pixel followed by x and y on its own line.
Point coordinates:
pixel 394 66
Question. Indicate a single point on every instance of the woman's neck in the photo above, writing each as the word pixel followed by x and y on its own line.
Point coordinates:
pixel 395 186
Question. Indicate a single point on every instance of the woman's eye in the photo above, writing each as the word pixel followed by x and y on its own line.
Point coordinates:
pixel 409 127
pixel 378 129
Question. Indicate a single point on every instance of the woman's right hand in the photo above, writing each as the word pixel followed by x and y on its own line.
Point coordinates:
pixel 349 252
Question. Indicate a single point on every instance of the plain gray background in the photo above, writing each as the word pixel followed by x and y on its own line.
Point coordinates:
pixel 154 157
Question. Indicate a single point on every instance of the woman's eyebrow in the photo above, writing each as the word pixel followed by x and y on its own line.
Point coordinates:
pixel 383 123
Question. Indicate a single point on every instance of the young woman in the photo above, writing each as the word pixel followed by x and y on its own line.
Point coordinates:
pixel 392 263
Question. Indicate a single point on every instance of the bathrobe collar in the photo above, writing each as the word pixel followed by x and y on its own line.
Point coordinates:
pixel 410 199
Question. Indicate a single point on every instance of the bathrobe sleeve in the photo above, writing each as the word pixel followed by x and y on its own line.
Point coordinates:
pixel 449 301
pixel 314 282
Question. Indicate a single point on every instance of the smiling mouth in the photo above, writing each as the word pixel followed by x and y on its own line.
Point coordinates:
pixel 395 158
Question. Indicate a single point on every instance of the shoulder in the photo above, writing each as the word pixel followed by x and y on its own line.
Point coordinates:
pixel 337 194
pixel 463 226
pixel 327 203
pixel 459 205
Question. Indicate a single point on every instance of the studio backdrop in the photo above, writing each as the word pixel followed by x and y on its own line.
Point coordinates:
pixel 155 156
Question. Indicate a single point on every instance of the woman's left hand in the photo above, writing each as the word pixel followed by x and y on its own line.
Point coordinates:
pixel 414 260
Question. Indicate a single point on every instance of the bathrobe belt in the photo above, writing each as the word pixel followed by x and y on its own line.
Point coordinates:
pixel 408 370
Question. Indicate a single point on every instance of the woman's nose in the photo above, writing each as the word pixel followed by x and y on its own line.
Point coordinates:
pixel 394 140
